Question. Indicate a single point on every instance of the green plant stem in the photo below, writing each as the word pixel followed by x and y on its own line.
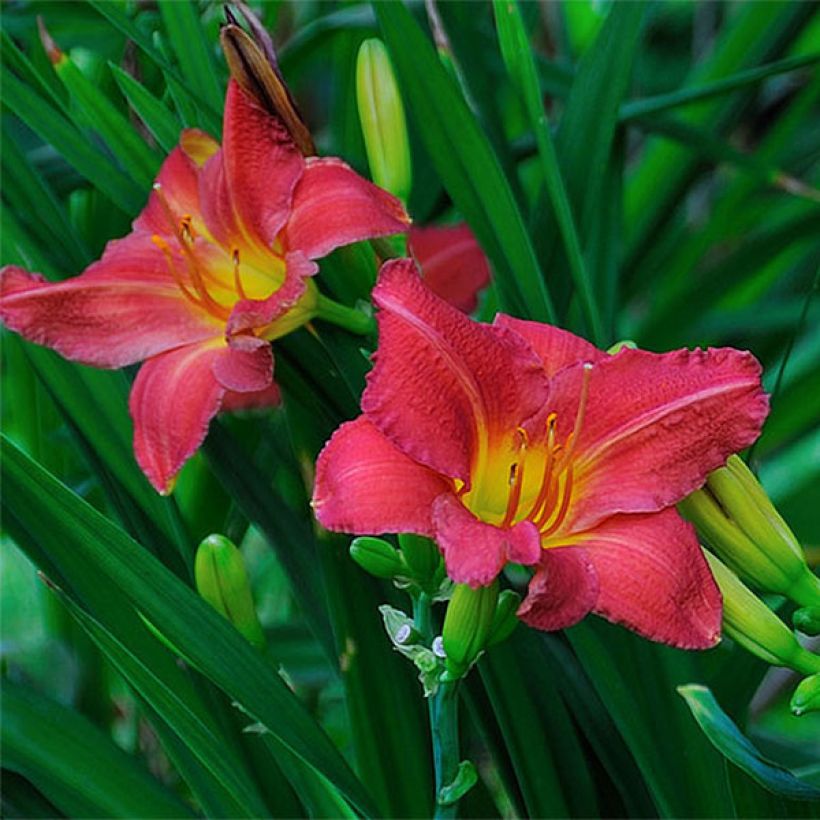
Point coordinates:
pixel 444 725
pixel 349 318
pixel 422 616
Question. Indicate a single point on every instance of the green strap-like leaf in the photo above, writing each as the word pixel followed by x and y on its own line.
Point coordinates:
pixel 65 756
pixel 736 747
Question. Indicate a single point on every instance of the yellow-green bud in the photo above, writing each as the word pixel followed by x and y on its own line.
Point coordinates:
pixel 748 621
pixel 505 619
pixel 377 557
pixel 467 624
pixel 740 523
pixel 624 344
pixel 806 697
pixel 421 556
pixel 222 580
pixel 807 620
pixel 382 117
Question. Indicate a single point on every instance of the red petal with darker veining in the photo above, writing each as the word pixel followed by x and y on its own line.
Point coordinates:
pixel 475 552
pixel 444 386
pixel 123 309
pixel 655 426
pixel 246 367
pixel 555 347
pixel 452 263
pixel 173 400
pixel 562 591
pixel 364 485
pixel 654 579
pixel 334 206
pixel 178 180
pixel 248 314
pixel 247 189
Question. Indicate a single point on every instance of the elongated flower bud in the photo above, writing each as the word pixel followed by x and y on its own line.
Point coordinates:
pixel 467 624
pixel 741 524
pixel 747 620
pixel 221 579
pixel 806 697
pixel 422 557
pixel 505 619
pixel 382 117
pixel 377 557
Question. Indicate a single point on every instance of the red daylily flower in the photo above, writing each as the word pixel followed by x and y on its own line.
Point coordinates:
pixel 452 263
pixel 521 442
pixel 218 264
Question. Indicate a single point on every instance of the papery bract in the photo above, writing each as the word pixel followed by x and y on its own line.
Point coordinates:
pixel 217 265
pixel 521 442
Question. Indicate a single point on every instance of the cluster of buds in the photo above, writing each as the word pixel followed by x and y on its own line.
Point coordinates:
pixel 750 542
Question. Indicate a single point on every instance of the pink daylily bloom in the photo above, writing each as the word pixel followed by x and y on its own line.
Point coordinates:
pixel 521 442
pixel 452 262
pixel 217 265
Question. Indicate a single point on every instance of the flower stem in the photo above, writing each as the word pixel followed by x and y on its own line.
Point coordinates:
pixel 444 724
pixel 349 318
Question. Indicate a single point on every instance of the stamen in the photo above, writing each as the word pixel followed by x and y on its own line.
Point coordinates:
pixel 545 483
pixel 566 496
pixel 169 258
pixel 237 279
pixel 572 439
pixel 516 479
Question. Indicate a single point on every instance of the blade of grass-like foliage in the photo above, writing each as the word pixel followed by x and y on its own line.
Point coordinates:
pixel 53 128
pixel 18 247
pixel 517 55
pixel 96 403
pixel 681 770
pixel 21 798
pixel 74 764
pixel 74 536
pixel 162 124
pixel 46 85
pixel 187 38
pixel 754 34
pixel 95 110
pixel 288 534
pixel 730 742
pixel 199 738
pixel 32 195
pixel 466 163
pixel 688 94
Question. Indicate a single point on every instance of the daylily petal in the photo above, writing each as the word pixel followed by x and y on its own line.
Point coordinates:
pixel 475 552
pixel 655 426
pixel 555 347
pixel 654 579
pixel 452 263
pixel 364 485
pixel 178 182
pixel 234 402
pixel 250 314
pixel 123 309
pixel 246 367
pixel 246 189
pixel 445 389
pixel 334 206
pixel 174 397
pixel 562 591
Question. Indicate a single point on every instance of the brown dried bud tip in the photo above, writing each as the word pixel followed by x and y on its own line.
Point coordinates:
pixel 253 66
pixel 52 49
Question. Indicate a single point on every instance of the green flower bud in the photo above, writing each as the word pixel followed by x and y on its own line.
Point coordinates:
pixel 382 117
pixel 505 619
pixel 748 621
pixel 377 557
pixel 740 523
pixel 222 580
pixel 467 624
pixel 806 697
pixel 421 556
pixel 807 620
pixel 624 344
